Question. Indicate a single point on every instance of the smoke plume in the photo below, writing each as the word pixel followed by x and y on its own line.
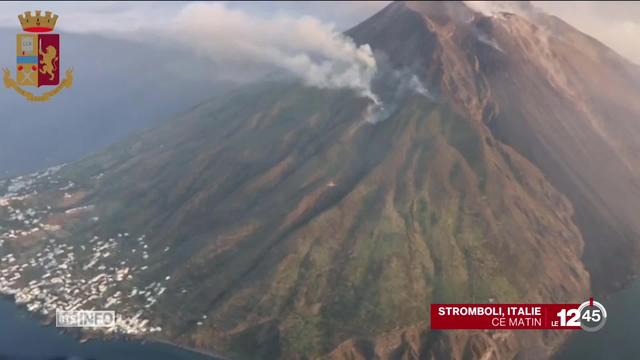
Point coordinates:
pixel 244 45
pixel 391 86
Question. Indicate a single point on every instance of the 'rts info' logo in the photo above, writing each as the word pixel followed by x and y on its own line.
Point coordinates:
pixel 85 318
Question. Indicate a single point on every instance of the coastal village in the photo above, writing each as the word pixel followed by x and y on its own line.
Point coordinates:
pixel 55 274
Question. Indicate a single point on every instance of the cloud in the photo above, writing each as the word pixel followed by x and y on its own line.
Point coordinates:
pixel 614 23
pixel 109 18
pixel 344 14
pixel 128 16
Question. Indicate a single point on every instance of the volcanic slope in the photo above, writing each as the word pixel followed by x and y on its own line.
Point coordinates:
pixel 282 224
pixel 559 97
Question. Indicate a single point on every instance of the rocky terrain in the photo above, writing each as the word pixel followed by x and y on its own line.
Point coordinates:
pixel 557 96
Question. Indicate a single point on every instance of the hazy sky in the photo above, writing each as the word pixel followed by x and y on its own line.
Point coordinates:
pixel 617 24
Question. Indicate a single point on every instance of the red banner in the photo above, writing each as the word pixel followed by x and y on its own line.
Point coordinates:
pixel 48 59
pixel 505 316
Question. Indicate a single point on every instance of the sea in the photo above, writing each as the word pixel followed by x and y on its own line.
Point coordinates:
pixel 23 337
pixel 619 339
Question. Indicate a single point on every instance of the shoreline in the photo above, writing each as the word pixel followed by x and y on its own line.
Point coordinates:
pixel 214 355
pixel 80 337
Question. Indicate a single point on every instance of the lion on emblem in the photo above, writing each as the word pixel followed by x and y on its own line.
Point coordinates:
pixel 48 62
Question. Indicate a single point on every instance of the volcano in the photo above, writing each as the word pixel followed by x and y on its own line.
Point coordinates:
pixel 277 222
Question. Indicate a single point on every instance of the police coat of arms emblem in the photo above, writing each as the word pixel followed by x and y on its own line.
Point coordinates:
pixel 38 57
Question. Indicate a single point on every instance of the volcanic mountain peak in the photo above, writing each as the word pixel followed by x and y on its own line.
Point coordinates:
pixel 442 12
pixel 536 83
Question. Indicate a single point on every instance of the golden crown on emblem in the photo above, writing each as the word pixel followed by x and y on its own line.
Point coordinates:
pixel 39 22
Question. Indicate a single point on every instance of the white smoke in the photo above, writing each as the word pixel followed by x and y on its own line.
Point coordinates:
pixel 391 86
pixel 246 45
pixel 491 8
pixel 417 86
pixel 240 43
